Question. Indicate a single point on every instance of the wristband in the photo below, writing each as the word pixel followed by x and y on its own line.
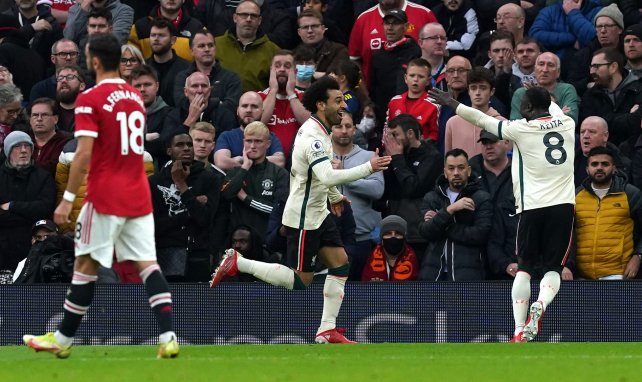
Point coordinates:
pixel 292 96
pixel 69 196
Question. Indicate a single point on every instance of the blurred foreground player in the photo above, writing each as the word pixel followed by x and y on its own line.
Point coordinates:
pixel 311 232
pixel 110 122
pixel 544 192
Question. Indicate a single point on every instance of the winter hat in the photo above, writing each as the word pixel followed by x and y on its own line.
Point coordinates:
pixel 14 138
pixel 613 12
pixel 394 223
pixel 635 30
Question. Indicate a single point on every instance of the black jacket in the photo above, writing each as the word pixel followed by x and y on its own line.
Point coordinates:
pixel 579 72
pixel 622 163
pixel 263 183
pixel 456 26
pixel 226 86
pixel 215 113
pixel 623 125
pixel 168 75
pixel 503 187
pixel 501 248
pixel 408 178
pixel 49 261
pixel 181 220
pixel 157 122
pixel 458 241
pixel 387 73
pixel 14 53
pixel 32 193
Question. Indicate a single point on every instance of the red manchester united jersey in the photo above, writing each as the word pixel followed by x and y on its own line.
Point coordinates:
pixel 113 113
pixel 421 108
pixel 368 35
pixel 283 123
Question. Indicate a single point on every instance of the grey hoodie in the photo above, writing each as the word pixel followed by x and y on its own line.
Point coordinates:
pixel 362 192
pixel 122 16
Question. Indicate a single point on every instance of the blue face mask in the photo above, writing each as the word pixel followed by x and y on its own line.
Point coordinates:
pixel 304 72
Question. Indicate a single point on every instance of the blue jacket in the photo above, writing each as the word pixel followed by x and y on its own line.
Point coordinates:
pixel 558 31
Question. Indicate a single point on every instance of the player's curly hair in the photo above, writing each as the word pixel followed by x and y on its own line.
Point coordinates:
pixel 318 92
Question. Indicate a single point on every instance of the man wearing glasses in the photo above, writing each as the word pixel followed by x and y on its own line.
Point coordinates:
pixel 244 50
pixel 312 30
pixel 48 141
pixel 63 52
pixel 432 41
pixel 70 81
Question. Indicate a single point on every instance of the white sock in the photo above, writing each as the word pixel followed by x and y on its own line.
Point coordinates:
pixel 166 337
pixel 548 288
pixel 271 273
pixel 63 339
pixel 521 293
pixel 333 292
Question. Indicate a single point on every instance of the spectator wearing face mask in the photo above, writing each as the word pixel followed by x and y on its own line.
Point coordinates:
pixel 393 259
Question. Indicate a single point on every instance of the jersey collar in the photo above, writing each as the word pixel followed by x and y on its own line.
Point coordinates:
pixel 321 124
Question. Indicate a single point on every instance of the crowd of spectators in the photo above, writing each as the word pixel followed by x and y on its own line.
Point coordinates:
pixel 222 83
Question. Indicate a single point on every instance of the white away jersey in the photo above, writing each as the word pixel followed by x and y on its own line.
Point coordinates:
pixel 312 178
pixel 543 155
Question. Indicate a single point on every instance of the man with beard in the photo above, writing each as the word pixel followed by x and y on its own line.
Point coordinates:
pixel 633 48
pixel 608 212
pixel 226 84
pixel 164 59
pixel 177 14
pixel 144 79
pixel 311 232
pixel 229 147
pixel 246 51
pixel 198 106
pixel 185 197
pixel 616 96
pixel 254 188
pixel 283 111
pixel 63 52
pixel 457 216
pixel 415 167
pixel 70 81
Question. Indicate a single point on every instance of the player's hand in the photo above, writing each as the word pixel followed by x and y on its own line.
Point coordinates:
pixel 460 205
pixel 273 83
pixel 246 161
pixel 511 269
pixel 337 208
pixel 429 215
pixel 567 275
pixel 380 163
pixel 393 147
pixel 61 214
pixel 632 267
pixel 180 173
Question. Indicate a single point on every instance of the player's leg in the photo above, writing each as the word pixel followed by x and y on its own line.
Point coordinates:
pixel 273 273
pixel 94 247
pixel 527 250
pixel 559 234
pixel 136 243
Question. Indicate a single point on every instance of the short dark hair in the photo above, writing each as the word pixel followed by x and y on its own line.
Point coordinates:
pixel 304 53
pixel 318 92
pixel 144 70
pixel 106 47
pixel 531 40
pixel 75 68
pixel 456 153
pixel 346 68
pixel 310 13
pixel 481 74
pixel 406 122
pixel 103 13
pixel 538 97
pixel 611 54
pixel 502 35
pixel 46 101
pixel 163 23
pixel 421 62
pixel 204 31
pixel 601 150
pixel 168 139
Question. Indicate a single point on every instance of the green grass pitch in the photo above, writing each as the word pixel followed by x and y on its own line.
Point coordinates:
pixel 533 362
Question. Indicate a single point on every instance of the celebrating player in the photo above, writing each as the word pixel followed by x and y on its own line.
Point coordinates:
pixel 311 232
pixel 544 193
pixel 110 122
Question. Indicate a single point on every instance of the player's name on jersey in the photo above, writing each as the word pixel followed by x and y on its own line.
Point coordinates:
pixel 118 95
pixel 553 123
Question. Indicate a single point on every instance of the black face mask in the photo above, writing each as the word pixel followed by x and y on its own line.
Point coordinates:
pixel 393 245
